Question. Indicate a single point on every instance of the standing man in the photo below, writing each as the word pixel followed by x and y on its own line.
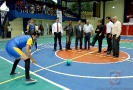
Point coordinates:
pixel 78 30
pixel 99 36
pixel 87 34
pixel 30 30
pixel 69 33
pixel 116 31
pixel 57 33
pixel 9 28
pixel 109 26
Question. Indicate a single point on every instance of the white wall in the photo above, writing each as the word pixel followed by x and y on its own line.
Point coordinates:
pixel 117 11
pixel 17 27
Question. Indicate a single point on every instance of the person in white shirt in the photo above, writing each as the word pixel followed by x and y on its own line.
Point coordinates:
pixel 116 33
pixel 36 27
pixel 87 34
pixel 9 28
pixel 57 33
pixel 109 26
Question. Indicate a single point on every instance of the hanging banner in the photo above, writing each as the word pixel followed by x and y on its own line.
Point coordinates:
pixel 59 15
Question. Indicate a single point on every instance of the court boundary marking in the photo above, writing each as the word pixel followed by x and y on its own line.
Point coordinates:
pixel 79 76
pixel 47 80
pixel 63 61
pixel 96 63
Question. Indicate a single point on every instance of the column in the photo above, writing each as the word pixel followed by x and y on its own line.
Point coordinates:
pixel 58 3
pixel 103 12
pixel 79 8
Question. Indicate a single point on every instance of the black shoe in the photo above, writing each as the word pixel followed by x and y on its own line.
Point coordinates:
pixel 105 51
pixel 98 51
pixel 61 50
pixel 54 50
pixel 69 49
pixel 84 48
pixel 108 53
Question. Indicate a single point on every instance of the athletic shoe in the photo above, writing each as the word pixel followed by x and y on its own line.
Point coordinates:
pixel 37 49
pixel 12 74
pixel 30 80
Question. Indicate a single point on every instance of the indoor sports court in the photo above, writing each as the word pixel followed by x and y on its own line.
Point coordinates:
pixel 88 69
pixel 72 69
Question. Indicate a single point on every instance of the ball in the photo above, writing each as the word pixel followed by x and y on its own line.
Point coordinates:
pixel 68 62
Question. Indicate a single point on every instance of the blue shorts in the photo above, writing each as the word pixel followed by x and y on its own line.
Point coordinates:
pixel 14 51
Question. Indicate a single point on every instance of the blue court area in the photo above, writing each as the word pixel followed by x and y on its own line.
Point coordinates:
pixel 52 72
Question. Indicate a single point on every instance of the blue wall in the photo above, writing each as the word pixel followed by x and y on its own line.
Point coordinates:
pixel 13 14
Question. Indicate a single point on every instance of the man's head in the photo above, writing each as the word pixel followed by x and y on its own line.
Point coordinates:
pixel 99 22
pixel 114 19
pixel 79 22
pixel 70 22
pixel 35 35
pixel 57 20
pixel 108 19
pixel 31 21
pixel 87 22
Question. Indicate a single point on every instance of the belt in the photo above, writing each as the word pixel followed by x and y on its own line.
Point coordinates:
pixel 87 33
pixel 57 32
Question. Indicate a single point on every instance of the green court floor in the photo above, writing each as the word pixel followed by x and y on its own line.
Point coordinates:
pixel 19 84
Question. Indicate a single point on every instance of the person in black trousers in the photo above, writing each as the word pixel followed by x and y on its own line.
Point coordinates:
pixel 2 32
pixel 116 34
pixel 69 33
pixel 109 26
pixel 57 33
pixel 78 31
pixel 99 36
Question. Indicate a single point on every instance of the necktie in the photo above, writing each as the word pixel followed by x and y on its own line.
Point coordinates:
pixel 57 28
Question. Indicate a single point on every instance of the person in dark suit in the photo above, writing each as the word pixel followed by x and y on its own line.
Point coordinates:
pixel 99 36
pixel 78 31
pixel 2 32
pixel 69 33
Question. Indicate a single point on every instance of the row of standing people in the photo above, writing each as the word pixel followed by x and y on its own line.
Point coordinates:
pixel 113 31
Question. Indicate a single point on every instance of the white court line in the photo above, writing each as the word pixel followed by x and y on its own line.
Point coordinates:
pixel 80 76
pixel 60 86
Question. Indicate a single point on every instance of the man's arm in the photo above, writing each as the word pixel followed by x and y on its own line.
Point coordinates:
pixel 53 29
pixel 65 28
pixel 118 29
pixel 29 44
pixel 75 30
pixel 61 29
pixel 27 28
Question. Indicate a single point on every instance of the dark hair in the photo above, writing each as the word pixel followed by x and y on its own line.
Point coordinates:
pixel 36 33
pixel 100 21
pixel 108 18
pixel 57 18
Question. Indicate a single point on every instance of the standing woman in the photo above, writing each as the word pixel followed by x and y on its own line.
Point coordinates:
pixel 31 30
pixel 99 36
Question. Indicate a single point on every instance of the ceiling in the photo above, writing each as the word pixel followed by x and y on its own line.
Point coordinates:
pixel 86 0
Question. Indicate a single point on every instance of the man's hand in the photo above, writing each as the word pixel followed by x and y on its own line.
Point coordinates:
pixel 75 36
pixel 109 36
pixel 97 30
pixel 100 34
pixel 33 61
pixel 68 28
pixel 116 38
